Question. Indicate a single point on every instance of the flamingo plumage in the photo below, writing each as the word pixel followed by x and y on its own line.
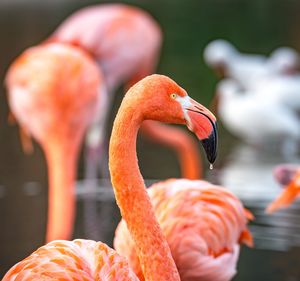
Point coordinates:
pixel 159 98
pixel 203 224
pixel 289 177
pixel 53 92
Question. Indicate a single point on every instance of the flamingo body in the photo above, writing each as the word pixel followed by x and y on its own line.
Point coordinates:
pixel 53 93
pixel 39 83
pixel 203 225
pixel 83 260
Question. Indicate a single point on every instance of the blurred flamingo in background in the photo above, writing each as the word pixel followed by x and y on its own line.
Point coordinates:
pixel 125 41
pixel 158 98
pixel 53 92
pixel 287 175
pixel 202 223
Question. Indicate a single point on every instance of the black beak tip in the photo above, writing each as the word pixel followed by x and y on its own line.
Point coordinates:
pixel 210 146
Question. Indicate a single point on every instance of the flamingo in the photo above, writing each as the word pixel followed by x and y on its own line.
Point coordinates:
pixel 155 97
pixel 289 177
pixel 125 41
pixel 53 93
pixel 184 210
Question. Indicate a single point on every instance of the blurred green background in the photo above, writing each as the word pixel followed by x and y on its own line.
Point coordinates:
pixel 257 26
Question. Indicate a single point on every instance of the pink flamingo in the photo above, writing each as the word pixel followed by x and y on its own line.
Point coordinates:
pixel 53 92
pixel 289 177
pixel 158 98
pixel 125 41
pixel 203 224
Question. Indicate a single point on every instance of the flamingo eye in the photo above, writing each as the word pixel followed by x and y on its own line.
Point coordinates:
pixel 173 96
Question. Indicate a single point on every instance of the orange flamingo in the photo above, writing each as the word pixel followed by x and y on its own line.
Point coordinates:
pixel 156 97
pixel 53 93
pixel 125 41
pixel 289 177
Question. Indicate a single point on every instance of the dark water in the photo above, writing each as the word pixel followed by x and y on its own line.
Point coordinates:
pixel 253 26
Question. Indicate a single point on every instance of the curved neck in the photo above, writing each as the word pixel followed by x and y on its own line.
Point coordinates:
pixel 131 196
pixel 181 142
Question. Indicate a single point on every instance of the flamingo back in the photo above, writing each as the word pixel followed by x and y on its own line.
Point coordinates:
pixel 203 224
pixel 82 260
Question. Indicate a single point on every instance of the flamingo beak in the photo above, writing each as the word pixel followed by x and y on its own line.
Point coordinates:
pixel 203 123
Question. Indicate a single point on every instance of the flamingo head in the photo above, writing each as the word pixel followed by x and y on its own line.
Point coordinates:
pixel 167 102
pixel 285 173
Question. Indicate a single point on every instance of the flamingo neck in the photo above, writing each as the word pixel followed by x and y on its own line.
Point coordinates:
pixel 132 198
pixel 181 142
pixel 61 162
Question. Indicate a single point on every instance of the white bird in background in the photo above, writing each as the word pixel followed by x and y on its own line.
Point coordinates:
pixel 284 60
pixel 249 69
pixel 259 101
pixel 256 119
pixel 282 89
pixel 226 60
